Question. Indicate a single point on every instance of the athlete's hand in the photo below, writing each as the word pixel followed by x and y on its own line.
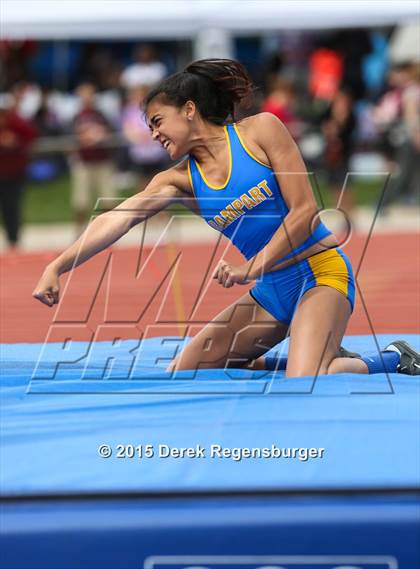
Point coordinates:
pixel 228 275
pixel 48 288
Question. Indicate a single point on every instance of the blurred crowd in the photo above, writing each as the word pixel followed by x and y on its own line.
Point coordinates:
pixel 337 94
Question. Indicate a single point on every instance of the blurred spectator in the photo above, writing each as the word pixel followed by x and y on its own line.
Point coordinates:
pixel 375 64
pixel 16 137
pixel 355 45
pixel 271 69
pixel 45 118
pixel 27 97
pixel 91 165
pixel 146 156
pixel 338 128
pixel 48 165
pixel 15 57
pixel 288 54
pixel 280 102
pixel 351 46
pixel 398 118
pixel 101 66
pixel 325 73
pixel 64 105
pixel 147 69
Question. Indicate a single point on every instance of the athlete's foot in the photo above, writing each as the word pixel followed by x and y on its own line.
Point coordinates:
pixel 409 358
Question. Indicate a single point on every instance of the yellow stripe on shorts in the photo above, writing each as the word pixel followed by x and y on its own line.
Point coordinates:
pixel 330 269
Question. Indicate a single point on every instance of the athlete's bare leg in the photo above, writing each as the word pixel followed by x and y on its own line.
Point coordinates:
pixel 234 338
pixel 316 332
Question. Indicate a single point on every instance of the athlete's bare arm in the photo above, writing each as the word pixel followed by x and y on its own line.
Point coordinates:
pixel 166 188
pixel 285 159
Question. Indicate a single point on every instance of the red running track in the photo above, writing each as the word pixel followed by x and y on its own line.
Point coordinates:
pixel 108 303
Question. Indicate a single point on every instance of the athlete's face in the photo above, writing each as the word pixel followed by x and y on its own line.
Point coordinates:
pixel 171 126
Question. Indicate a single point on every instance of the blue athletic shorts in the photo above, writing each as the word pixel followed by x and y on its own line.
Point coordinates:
pixel 279 292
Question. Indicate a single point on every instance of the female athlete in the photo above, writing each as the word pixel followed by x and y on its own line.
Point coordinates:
pixel 248 181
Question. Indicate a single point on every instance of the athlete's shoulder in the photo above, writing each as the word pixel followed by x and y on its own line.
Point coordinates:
pixel 262 122
pixel 262 134
pixel 268 131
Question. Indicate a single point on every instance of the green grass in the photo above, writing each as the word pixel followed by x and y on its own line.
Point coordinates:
pixel 50 202
pixel 366 192
pixel 47 202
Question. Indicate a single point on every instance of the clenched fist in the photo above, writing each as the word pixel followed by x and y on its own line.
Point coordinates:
pixel 48 288
pixel 228 275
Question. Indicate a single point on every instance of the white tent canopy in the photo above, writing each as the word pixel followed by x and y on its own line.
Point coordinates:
pixel 171 19
pixel 405 45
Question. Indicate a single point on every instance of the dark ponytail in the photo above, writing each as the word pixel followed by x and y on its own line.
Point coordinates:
pixel 216 86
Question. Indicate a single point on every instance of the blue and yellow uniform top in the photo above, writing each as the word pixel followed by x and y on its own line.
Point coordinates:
pixel 249 207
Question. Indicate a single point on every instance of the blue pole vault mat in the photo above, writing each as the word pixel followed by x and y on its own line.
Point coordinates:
pixel 109 462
